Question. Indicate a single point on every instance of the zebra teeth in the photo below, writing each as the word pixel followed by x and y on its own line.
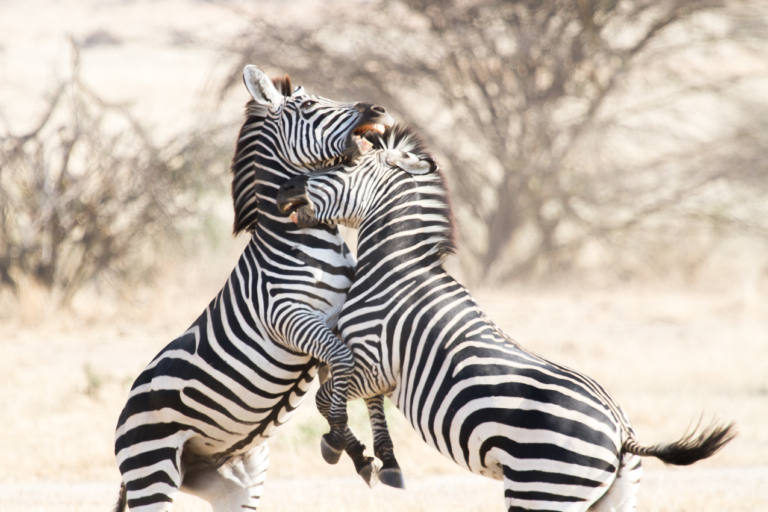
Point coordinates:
pixel 363 145
pixel 373 127
pixel 294 217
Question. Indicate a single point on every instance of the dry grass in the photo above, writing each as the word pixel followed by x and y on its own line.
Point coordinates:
pixel 668 356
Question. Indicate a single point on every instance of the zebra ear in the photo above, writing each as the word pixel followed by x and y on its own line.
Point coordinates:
pixel 299 91
pixel 261 87
pixel 411 163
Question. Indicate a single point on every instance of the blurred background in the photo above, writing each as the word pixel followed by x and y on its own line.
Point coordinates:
pixel 608 163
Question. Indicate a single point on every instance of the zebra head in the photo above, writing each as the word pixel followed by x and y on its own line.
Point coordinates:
pixel 287 132
pixel 395 177
pixel 309 131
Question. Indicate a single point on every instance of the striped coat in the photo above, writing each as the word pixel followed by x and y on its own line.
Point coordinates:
pixel 553 435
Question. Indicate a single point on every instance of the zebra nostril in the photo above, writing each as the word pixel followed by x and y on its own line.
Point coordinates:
pixel 378 109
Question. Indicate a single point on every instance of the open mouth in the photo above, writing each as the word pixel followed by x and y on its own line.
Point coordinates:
pixel 292 201
pixel 372 127
pixel 294 209
pixel 292 206
pixel 359 132
pixel 303 215
pixel 300 213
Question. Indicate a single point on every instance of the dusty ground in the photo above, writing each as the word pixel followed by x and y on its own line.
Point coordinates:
pixel 668 356
pixel 733 489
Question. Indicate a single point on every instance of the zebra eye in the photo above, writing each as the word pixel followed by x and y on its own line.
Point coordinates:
pixel 307 104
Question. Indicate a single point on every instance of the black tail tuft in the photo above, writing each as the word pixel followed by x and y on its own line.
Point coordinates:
pixel 121 499
pixel 689 449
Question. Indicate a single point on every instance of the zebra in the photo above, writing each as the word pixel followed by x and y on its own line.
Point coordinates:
pixel 198 416
pixel 553 435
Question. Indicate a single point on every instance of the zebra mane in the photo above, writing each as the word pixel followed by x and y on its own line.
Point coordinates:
pixel 242 168
pixel 403 138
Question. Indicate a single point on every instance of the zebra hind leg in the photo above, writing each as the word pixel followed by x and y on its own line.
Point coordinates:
pixel 236 484
pixel 151 478
pixel 365 466
pixel 390 473
pixel 621 496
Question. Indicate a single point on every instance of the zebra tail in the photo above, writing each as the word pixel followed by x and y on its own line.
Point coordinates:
pixel 688 449
pixel 121 499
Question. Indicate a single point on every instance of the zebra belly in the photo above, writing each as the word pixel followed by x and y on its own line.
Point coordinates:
pixel 204 404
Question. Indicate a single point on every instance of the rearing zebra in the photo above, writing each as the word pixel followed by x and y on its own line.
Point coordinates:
pixel 199 415
pixel 553 435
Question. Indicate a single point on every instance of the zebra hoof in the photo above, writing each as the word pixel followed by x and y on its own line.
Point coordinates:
pixel 330 454
pixel 370 474
pixel 392 477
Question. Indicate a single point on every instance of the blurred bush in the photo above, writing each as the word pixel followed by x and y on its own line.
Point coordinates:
pixel 87 195
pixel 626 136
pixel 624 131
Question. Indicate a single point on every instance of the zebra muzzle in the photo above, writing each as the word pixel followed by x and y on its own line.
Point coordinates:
pixel 304 217
pixel 292 200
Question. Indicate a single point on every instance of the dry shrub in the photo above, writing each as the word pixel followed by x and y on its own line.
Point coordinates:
pixel 87 194
pixel 563 127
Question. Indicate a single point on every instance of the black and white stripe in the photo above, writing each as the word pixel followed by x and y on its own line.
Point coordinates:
pixel 199 415
pixel 553 435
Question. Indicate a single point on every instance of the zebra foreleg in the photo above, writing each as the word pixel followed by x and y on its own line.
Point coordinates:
pixel 366 467
pixel 306 331
pixel 383 448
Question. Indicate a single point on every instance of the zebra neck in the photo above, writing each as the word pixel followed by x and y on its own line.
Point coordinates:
pixel 268 173
pixel 392 277
pixel 268 176
pixel 398 241
pixel 273 166
pixel 286 244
